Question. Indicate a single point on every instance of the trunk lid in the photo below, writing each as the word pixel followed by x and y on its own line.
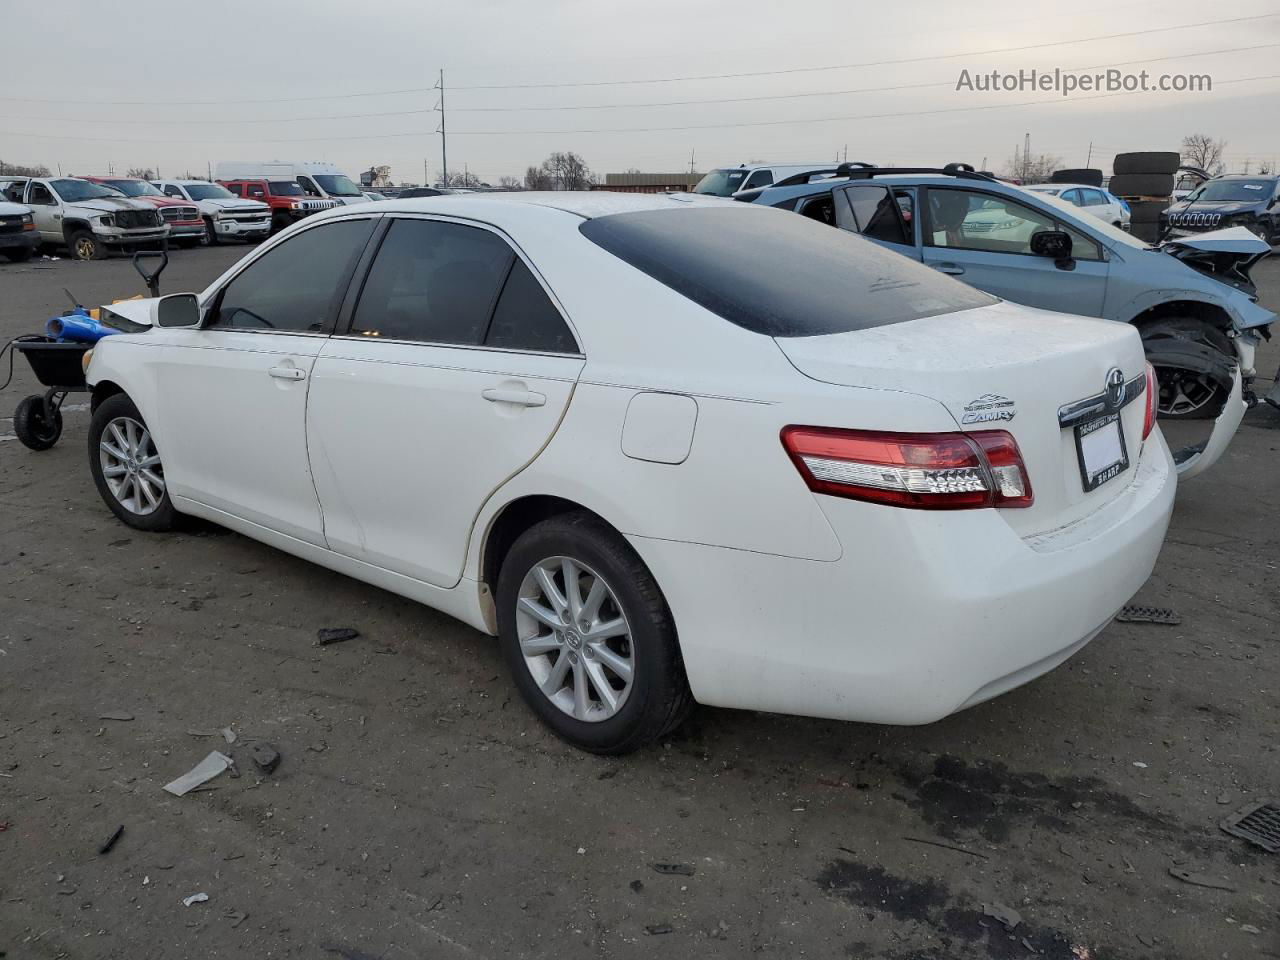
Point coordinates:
pixel 1001 367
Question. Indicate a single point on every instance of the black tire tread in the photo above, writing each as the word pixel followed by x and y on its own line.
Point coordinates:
pixel 29 425
pixel 1141 185
pixel 1146 161
pixel 678 700
pixel 1089 176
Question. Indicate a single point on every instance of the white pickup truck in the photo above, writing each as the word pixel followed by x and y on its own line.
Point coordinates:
pixel 87 218
pixel 226 216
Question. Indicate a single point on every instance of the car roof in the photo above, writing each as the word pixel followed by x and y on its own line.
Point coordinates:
pixel 1247 176
pixel 582 203
pixel 1062 186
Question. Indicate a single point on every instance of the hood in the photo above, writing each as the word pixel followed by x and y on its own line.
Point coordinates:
pixel 1225 255
pixel 232 203
pixel 1224 207
pixel 13 209
pixel 111 204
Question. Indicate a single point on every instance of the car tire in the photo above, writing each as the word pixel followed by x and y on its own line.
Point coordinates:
pixel 279 222
pixel 210 234
pixel 1141 185
pixel 30 426
pixel 1187 394
pixel 18 254
pixel 1149 161
pixel 1089 176
pixel 565 661
pixel 126 467
pixel 85 246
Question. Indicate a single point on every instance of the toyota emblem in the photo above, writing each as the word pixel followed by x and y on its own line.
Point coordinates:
pixel 1115 388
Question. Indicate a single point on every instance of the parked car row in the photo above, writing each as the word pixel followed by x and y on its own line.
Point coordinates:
pixel 93 215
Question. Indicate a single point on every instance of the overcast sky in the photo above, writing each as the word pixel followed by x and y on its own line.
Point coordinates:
pixel 174 69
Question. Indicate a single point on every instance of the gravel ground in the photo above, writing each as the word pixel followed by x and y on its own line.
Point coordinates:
pixel 420 812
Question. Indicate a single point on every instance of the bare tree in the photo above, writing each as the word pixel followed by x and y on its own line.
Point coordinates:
pixel 537 178
pixel 1265 167
pixel 141 173
pixel 1203 151
pixel 23 170
pixel 509 183
pixel 1031 167
pixel 567 171
pixel 464 180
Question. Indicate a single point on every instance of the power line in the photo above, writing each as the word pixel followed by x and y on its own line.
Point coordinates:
pixel 681 79
pixel 617 106
pixel 700 126
pixel 869 63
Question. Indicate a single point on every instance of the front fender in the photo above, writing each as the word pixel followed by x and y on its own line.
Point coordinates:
pixel 128 361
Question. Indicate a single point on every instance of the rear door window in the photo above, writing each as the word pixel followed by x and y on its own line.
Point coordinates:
pixel 526 319
pixel 776 273
pixel 874 213
pixel 433 281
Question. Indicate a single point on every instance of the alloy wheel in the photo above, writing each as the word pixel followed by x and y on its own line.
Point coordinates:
pixel 575 639
pixel 1183 392
pixel 84 249
pixel 131 466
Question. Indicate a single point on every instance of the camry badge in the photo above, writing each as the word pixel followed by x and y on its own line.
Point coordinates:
pixel 988 408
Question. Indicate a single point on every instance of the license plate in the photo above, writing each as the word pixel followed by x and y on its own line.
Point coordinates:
pixel 1100 444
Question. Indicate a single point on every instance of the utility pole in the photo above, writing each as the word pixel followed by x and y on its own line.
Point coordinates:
pixel 1089 160
pixel 426 174
pixel 691 156
pixel 846 153
pixel 444 137
pixel 1026 155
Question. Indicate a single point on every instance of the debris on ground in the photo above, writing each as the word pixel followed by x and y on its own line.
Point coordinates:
pixel 673 869
pixel 1249 928
pixel 950 846
pixel 1200 879
pixel 1259 823
pixel 657 929
pixel 1008 917
pixel 204 771
pixel 719 932
pixel 265 756
pixel 228 735
pixel 195 898
pixel 1134 613
pixel 637 886
pixel 236 917
pixel 111 841
pixel 120 715
pixel 330 635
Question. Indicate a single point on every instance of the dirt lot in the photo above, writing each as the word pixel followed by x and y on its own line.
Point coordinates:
pixel 419 812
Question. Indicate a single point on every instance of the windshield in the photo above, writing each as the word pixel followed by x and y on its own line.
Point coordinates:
pixel 1100 229
pixel 134 188
pixel 781 276
pixel 337 185
pixel 208 191
pixel 1234 190
pixel 721 183
pixel 284 188
pixel 73 191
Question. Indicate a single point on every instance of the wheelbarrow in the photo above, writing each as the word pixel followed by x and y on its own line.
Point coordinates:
pixel 57 359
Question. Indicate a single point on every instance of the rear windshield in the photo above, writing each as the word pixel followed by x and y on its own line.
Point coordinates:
pixel 721 183
pixel 777 273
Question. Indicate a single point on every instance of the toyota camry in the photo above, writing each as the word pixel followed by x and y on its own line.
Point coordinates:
pixel 667 449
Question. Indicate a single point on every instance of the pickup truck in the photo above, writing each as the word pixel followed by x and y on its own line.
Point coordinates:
pixel 86 218
pixel 284 197
pixel 226 216
pixel 186 226
pixel 18 236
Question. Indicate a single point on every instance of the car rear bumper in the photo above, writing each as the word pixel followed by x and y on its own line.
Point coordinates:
pixel 926 612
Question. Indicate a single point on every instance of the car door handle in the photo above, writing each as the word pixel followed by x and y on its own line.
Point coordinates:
pixel 288 373
pixel 525 398
pixel 952 268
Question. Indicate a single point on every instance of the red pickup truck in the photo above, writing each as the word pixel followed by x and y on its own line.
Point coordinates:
pixel 285 198
pixel 186 226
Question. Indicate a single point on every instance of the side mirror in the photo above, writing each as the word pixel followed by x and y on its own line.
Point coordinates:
pixel 178 310
pixel 1051 243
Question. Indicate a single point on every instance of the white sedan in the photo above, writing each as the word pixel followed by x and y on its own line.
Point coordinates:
pixel 1092 200
pixel 668 449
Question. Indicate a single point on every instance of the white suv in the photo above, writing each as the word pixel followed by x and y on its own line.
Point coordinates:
pixel 726 181
pixel 226 216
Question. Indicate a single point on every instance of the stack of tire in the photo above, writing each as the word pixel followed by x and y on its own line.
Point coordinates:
pixel 1145 182
pixel 1085 175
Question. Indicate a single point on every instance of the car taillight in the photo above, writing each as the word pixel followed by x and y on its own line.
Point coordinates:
pixel 1153 402
pixel 928 471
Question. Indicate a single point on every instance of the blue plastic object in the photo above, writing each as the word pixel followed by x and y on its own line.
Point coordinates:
pixel 77 327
